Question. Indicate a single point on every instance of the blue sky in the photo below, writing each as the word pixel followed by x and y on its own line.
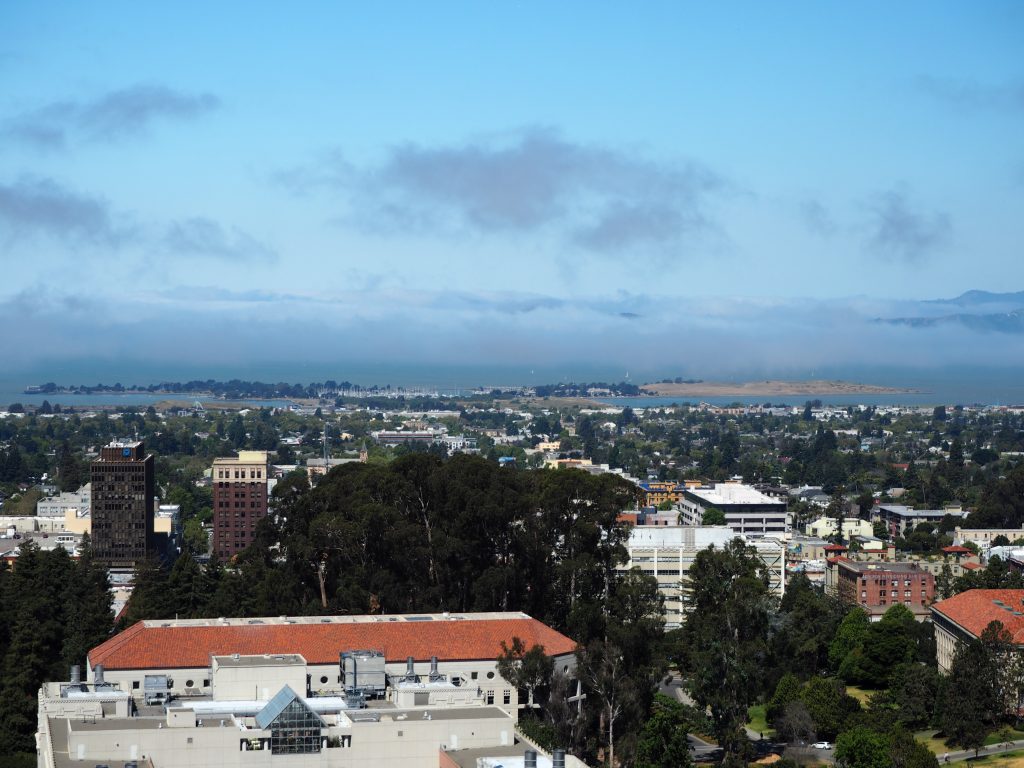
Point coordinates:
pixel 738 186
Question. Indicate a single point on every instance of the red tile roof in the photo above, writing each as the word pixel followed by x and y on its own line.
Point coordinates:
pixel 971 566
pixel 975 609
pixel 835 548
pixel 152 646
pixel 957 550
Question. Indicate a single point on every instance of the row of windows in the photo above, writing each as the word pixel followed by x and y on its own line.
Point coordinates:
pixel 895 593
pixel 255 473
pixel 896 582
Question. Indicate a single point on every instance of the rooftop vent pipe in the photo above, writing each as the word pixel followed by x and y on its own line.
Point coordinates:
pixel 76 674
pixel 410 671
pixel 558 758
pixel 530 759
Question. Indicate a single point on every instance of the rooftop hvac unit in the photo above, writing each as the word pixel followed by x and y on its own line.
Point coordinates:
pixel 362 673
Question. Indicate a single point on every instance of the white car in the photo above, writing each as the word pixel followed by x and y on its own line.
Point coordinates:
pixel 822 745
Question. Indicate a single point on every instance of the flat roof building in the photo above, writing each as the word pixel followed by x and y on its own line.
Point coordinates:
pixel 877 586
pixel 79 502
pixel 898 517
pixel 668 552
pixel 261 712
pixel 240 500
pixel 747 511
pixel 122 484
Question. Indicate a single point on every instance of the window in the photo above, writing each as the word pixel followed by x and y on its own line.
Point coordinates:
pixel 506 696
pixel 135 685
pixel 190 683
pixel 489 698
pixel 296 730
pixel 473 675
pixel 323 678
pixel 490 675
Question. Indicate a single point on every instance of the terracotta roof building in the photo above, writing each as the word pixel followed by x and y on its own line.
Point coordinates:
pixel 466 645
pixel 965 616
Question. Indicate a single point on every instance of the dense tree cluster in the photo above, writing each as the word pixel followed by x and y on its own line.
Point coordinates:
pixel 53 610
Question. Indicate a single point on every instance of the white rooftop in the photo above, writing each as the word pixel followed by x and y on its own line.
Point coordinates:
pixel 732 493
pixel 685 536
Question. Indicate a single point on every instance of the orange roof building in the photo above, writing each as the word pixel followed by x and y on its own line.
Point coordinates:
pixel 965 616
pixel 466 645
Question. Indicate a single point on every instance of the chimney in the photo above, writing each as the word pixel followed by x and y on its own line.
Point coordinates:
pixel 434 674
pixel 76 674
pixel 98 675
pixel 530 759
pixel 558 758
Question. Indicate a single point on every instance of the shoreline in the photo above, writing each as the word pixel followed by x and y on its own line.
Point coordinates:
pixel 772 388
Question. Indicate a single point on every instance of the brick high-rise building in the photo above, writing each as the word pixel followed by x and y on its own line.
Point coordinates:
pixel 239 501
pixel 122 504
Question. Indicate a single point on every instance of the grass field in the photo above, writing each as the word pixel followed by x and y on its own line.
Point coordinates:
pixel 937 746
pixel 756 721
pixel 860 694
pixel 996 738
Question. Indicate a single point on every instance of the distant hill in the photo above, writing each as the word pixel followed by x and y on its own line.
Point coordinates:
pixel 982 298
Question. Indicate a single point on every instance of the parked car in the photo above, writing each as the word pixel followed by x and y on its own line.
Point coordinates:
pixel 822 745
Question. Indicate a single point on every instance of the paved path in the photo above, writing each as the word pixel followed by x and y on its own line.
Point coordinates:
pixel 960 756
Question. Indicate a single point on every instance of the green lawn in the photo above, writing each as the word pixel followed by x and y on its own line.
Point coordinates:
pixel 937 746
pixel 860 694
pixel 995 738
pixel 756 720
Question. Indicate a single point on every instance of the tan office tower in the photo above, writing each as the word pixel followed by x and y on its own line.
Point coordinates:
pixel 122 504
pixel 239 501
